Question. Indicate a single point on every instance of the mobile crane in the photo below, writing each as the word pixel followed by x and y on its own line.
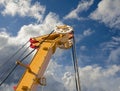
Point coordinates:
pixel 46 46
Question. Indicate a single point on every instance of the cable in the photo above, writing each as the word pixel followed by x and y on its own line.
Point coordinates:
pixel 75 70
pixel 8 69
pixel 4 73
pixel 15 68
pixel 13 55
pixel 42 88
pixel 75 62
pixel 12 70
pixel 6 62
pixel 23 52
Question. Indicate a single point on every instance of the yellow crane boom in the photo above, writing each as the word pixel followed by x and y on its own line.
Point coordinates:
pixel 33 75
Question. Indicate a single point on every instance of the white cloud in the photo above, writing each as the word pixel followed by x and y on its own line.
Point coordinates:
pixel 26 32
pixel 82 47
pixel 112 47
pixel 114 56
pixel 33 30
pixel 108 13
pixel 93 78
pixel 6 87
pixel 99 79
pixel 2 29
pixel 82 6
pixel 112 44
pixel 88 32
pixel 69 82
pixel 117 39
pixel 23 8
pixel 3 39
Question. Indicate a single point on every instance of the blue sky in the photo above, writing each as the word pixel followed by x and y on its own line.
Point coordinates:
pixel 97 32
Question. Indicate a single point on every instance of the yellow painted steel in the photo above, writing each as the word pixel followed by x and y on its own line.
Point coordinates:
pixel 34 73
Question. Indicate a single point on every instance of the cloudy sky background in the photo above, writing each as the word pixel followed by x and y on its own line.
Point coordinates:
pixel 97 32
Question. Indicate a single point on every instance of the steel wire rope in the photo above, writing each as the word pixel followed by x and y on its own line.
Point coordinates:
pixel 74 70
pixel 4 73
pixel 18 60
pixel 12 70
pixel 8 69
pixel 42 89
pixel 9 59
pixel 75 63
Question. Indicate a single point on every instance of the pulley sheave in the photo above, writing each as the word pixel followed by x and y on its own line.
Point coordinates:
pixel 63 29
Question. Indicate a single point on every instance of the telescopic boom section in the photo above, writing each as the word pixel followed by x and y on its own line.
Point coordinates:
pixel 45 46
